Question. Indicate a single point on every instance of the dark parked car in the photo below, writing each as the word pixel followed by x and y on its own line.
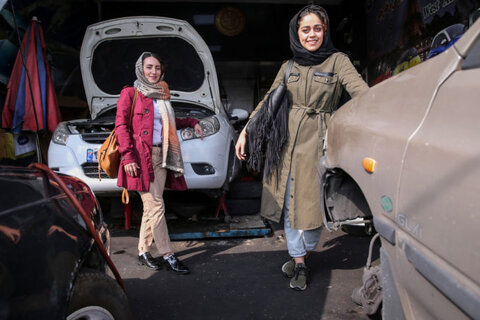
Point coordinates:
pixel 54 249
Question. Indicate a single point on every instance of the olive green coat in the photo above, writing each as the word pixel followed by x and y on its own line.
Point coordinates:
pixel 313 96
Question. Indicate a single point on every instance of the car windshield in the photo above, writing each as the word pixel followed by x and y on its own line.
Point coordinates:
pixel 113 63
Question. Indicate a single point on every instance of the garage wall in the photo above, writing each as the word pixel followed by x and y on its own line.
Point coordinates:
pixel 247 58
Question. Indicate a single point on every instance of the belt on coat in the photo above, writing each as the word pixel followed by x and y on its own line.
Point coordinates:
pixel 158 145
pixel 322 122
pixel 311 110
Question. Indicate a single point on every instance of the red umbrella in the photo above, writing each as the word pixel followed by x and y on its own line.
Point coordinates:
pixel 31 103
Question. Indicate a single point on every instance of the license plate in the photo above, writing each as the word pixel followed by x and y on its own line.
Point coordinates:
pixel 92 155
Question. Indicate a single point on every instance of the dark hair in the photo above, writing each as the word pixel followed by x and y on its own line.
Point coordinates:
pixel 156 56
pixel 313 8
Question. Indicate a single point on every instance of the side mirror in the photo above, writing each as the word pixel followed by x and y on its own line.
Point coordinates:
pixel 238 115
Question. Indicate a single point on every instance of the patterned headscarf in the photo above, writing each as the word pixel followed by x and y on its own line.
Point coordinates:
pixel 171 152
pixel 157 90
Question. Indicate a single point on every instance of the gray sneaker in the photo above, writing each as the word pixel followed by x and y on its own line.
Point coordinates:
pixel 299 280
pixel 288 268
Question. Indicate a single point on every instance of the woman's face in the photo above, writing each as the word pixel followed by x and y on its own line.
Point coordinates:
pixel 152 69
pixel 310 32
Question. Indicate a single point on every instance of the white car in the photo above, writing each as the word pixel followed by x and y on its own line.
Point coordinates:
pixel 108 55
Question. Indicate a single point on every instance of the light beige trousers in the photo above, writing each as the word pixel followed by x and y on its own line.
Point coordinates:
pixel 154 224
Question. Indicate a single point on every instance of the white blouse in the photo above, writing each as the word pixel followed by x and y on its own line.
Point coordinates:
pixel 157 122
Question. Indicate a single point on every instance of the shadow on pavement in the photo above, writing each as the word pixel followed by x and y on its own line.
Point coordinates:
pixel 241 279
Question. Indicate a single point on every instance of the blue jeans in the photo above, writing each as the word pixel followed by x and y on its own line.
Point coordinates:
pixel 298 241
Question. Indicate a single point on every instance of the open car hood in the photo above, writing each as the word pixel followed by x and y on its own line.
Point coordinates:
pixel 111 48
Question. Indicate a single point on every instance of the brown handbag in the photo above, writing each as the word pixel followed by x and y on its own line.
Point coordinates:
pixel 108 155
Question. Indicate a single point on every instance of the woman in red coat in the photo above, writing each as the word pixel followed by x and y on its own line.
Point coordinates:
pixel 151 155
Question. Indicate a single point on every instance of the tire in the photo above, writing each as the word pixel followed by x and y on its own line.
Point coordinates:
pixel 240 207
pixel 190 209
pixel 245 190
pixel 229 176
pixel 95 295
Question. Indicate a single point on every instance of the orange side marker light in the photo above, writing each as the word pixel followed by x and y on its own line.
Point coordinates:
pixel 369 164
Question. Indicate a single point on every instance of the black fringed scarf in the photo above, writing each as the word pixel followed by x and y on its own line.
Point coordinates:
pixel 268 129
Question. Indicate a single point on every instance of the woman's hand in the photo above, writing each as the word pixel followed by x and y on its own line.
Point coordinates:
pixel 240 145
pixel 131 169
pixel 198 130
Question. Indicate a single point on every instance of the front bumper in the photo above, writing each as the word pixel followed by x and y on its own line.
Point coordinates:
pixel 78 158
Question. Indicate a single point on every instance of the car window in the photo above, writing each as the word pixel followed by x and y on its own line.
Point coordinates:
pixel 20 193
pixel 472 60
pixel 64 208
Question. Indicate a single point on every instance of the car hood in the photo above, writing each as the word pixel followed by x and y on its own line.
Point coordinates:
pixel 111 48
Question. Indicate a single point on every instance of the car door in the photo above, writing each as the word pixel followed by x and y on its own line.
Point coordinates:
pixel 438 249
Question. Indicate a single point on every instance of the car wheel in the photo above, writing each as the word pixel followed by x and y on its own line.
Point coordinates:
pixel 245 190
pixel 97 296
pixel 230 170
pixel 190 209
pixel 240 207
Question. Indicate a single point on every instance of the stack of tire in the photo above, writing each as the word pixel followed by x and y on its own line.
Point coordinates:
pixel 243 196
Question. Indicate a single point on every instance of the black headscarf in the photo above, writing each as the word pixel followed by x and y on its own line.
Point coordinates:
pixel 301 55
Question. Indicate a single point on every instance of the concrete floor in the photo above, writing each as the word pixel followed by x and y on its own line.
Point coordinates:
pixel 241 278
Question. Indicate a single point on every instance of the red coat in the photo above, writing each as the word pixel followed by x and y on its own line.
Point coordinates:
pixel 137 145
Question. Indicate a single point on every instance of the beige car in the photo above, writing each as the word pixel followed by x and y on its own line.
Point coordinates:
pixel 407 152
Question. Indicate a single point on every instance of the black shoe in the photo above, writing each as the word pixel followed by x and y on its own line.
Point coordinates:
pixel 176 265
pixel 147 259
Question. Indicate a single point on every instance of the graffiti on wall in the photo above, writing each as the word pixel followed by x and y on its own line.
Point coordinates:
pixel 429 9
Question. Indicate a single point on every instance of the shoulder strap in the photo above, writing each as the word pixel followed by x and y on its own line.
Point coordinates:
pixel 287 71
pixel 133 106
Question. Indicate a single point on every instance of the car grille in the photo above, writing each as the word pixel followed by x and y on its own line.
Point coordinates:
pixel 90 169
pixel 97 138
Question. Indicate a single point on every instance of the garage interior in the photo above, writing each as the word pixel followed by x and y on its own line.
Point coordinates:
pixel 248 39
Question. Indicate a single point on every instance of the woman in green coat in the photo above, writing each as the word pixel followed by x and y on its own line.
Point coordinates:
pixel 317 78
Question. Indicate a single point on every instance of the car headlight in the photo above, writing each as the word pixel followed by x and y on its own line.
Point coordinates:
pixel 61 134
pixel 210 126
